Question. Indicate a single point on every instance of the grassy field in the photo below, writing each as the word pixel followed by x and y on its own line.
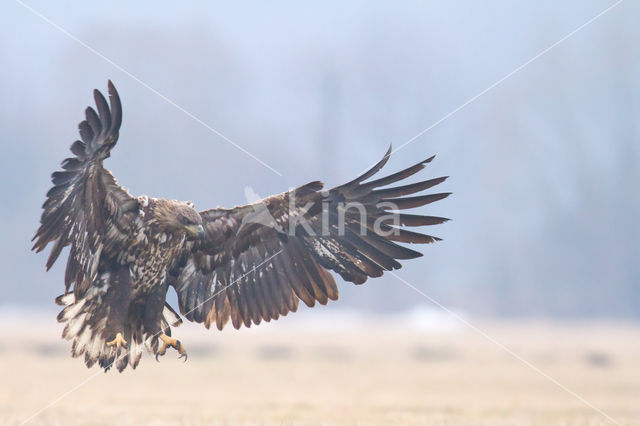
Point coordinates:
pixel 301 373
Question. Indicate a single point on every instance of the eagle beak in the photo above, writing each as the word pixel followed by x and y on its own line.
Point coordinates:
pixel 196 231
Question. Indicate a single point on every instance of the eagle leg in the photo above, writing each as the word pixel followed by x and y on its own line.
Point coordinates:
pixel 118 341
pixel 170 342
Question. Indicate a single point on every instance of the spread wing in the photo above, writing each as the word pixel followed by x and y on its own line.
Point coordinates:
pixel 86 208
pixel 259 260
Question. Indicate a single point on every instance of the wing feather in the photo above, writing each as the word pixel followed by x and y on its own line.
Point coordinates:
pixel 268 269
pixel 86 208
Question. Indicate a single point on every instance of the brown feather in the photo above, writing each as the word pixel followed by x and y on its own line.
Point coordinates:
pixel 400 191
pixel 412 202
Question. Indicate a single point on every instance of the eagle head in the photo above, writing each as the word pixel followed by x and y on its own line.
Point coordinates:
pixel 179 217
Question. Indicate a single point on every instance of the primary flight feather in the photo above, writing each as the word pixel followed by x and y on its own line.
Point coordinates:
pixel 247 264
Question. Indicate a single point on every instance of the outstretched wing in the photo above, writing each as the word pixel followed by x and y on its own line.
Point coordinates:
pixel 86 208
pixel 258 260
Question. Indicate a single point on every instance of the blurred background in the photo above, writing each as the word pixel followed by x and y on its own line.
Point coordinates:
pixel 544 167
pixel 543 252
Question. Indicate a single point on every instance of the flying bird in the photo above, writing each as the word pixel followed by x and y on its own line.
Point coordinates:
pixel 245 264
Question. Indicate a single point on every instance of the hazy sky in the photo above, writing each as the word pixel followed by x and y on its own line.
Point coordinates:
pixel 544 165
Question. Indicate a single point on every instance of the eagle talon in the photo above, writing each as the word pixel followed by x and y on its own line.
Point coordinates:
pixel 174 343
pixel 118 341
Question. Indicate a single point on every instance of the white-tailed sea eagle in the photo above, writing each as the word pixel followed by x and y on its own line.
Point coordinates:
pixel 246 264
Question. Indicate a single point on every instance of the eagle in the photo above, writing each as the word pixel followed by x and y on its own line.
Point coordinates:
pixel 246 264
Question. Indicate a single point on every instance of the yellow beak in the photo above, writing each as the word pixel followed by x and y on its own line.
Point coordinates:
pixel 196 231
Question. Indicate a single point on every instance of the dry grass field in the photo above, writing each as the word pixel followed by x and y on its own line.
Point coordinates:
pixel 300 373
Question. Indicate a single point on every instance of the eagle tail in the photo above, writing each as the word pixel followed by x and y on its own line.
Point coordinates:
pixel 101 327
pixel 94 319
pixel 92 332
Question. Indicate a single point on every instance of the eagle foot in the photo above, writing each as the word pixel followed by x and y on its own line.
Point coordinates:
pixel 118 341
pixel 170 342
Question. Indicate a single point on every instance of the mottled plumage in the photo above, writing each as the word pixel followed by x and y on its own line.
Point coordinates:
pixel 247 264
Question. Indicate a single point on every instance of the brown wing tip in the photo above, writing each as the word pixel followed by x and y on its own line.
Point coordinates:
pixel 91 116
pixel 389 151
pixel 113 92
pixel 116 106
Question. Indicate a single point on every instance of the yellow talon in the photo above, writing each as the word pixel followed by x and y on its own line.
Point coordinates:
pixel 169 342
pixel 118 341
